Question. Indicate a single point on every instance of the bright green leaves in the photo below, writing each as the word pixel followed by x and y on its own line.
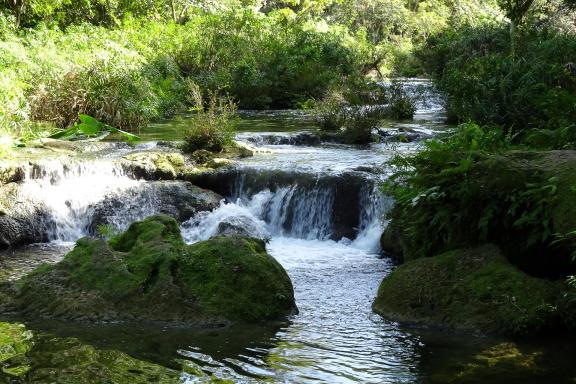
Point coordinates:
pixel 90 127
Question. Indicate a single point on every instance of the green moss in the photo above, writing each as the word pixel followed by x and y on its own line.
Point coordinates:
pixel 235 272
pixel 503 362
pixel 15 343
pixel 149 273
pixel 474 289
pixel 156 165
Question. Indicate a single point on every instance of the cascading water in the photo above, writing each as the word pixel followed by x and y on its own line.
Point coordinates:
pixel 77 197
pixel 320 210
pixel 68 192
pixel 298 210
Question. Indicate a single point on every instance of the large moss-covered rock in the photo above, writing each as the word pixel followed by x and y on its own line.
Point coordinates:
pixel 148 273
pixel 474 289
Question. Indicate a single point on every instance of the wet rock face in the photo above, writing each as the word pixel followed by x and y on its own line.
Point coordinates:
pixel 149 274
pixel 22 219
pixel 178 199
pixel 11 172
pixel 401 135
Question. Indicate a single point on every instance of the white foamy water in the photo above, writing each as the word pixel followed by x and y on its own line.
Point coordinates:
pixel 70 190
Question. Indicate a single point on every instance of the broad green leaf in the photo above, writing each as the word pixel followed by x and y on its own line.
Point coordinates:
pixel 89 129
pixel 85 119
pixel 63 134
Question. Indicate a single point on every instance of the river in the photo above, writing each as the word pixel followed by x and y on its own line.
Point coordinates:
pixel 322 210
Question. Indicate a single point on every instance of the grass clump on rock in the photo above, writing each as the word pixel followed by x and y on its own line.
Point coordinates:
pixel 148 273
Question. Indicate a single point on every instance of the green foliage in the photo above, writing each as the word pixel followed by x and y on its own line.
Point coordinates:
pixel 276 54
pixel 533 90
pixel 462 190
pixel 106 231
pixel 89 127
pixel 213 125
pixel 355 109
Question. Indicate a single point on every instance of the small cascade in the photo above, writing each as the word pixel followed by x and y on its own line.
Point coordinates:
pixel 68 192
pixel 373 207
pixel 76 197
pixel 347 208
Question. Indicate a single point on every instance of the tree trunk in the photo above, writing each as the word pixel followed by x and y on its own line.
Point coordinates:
pixel 173 6
pixel 513 38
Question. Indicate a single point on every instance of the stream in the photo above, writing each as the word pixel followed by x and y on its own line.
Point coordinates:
pixel 322 210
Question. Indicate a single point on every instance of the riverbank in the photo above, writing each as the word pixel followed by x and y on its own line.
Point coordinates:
pixel 455 201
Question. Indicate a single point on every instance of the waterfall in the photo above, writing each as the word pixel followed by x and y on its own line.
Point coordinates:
pixel 78 196
pixel 296 207
pixel 68 192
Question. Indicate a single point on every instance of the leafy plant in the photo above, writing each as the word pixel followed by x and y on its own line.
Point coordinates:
pixel 457 192
pixel 89 127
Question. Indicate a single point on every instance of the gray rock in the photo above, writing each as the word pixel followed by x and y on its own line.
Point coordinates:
pixel 22 219
pixel 241 226
pixel 178 199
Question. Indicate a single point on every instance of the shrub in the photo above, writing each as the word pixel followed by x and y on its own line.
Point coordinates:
pixel 471 188
pixel 213 125
pixel 354 109
pixel 535 88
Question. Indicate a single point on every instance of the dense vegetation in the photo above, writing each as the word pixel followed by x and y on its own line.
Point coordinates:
pixel 126 62
pixel 511 83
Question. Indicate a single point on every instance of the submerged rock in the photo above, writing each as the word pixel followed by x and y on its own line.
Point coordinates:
pixel 44 359
pixel 475 289
pixel 15 343
pixel 149 274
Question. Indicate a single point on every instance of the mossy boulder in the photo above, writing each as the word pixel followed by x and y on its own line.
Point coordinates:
pixel 149 274
pixel 155 165
pixel 474 289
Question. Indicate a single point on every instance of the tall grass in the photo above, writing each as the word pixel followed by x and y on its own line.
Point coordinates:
pixel 138 72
